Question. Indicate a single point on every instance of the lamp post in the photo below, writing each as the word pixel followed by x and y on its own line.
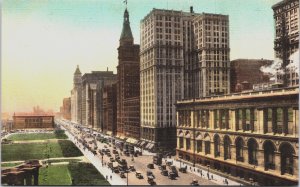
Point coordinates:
pixel 127 176
pixel 208 169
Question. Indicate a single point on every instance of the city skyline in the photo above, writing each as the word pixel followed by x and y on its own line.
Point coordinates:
pixel 40 50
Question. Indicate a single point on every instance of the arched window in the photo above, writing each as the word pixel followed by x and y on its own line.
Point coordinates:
pixel 252 151
pixel 199 142
pixel 227 152
pixel 269 155
pixel 286 158
pixel 239 143
pixel 207 144
pixel 217 145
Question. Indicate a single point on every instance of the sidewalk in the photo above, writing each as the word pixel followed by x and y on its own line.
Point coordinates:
pixel 216 178
pixel 96 161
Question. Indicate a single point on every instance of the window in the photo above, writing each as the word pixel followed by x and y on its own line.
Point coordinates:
pixel 217 145
pixel 252 151
pixel 227 151
pixel 286 158
pixel 239 149
pixel 269 155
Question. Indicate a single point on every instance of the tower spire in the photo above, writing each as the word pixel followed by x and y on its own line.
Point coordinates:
pixel 126 35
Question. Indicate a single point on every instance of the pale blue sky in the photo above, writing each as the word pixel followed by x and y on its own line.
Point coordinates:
pixel 44 40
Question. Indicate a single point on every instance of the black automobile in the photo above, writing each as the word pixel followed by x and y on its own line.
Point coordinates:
pixel 172 175
pixel 164 172
pixel 150 166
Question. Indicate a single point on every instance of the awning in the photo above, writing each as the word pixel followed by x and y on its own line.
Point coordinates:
pixel 199 137
pixel 142 143
pixel 180 134
pixel 131 140
pixel 188 135
pixel 118 136
pixel 151 146
pixel 207 138
pixel 108 132
pixel 147 146
pixel 122 137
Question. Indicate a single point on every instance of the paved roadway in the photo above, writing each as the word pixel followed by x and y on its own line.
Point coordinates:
pixel 140 164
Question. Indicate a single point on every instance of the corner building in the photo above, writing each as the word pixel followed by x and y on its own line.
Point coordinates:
pixel 179 51
pixel 128 85
pixel 249 137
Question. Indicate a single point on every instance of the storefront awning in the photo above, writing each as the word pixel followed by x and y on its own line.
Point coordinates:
pixel 122 137
pixel 108 132
pixel 151 146
pixel 131 140
pixel 142 143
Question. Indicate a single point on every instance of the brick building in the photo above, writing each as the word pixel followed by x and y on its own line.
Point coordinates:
pixel 109 96
pixel 128 86
pixel 66 108
pixel 246 72
pixel 32 121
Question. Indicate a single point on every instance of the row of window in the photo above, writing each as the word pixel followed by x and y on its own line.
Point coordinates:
pixel 286 151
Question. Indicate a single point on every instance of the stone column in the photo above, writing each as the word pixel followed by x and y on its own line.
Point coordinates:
pixel 243 118
pixel 274 120
pixel 232 124
pixel 211 119
pixel 277 162
pixel 296 120
pixel 260 158
pixel 245 153
pixel 285 120
pixel 191 115
pixel 226 119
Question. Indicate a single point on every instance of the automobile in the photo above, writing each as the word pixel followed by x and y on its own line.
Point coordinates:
pixel 131 168
pixel 150 166
pixel 151 180
pixel 150 173
pixel 169 163
pixel 122 174
pixel 115 151
pixel 164 172
pixel 139 175
pixel 182 169
pixel 126 153
pixel 195 182
pixel 162 167
pixel 111 159
pixel 116 170
pixel 172 175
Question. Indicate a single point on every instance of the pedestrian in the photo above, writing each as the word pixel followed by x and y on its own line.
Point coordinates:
pixel 207 176
pixel 194 169
pixel 110 177
pixel 226 181
pixel 106 177
pixel 212 177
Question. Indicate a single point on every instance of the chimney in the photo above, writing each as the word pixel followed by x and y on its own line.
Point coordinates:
pixel 191 9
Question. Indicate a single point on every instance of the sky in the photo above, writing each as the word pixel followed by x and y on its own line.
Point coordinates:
pixel 44 40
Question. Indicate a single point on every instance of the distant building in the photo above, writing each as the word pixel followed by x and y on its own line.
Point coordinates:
pixel 286 17
pixel 109 96
pixel 92 84
pixel 183 55
pixel 251 136
pixel 245 73
pixel 128 86
pixel 76 97
pixel 33 121
pixel 66 108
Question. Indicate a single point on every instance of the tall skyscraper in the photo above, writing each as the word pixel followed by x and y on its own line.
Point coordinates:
pixel 76 94
pixel 128 88
pixel 286 42
pixel 92 103
pixel 183 55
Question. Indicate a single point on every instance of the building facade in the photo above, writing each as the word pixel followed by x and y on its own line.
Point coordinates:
pixel 286 42
pixel 92 104
pixel 109 109
pixel 245 73
pixel 183 55
pixel 76 97
pixel 66 108
pixel 33 121
pixel 248 136
pixel 128 87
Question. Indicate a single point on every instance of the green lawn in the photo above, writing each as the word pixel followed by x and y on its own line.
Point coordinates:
pixel 81 173
pixel 38 136
pixel 90 177
pixel 54 175
pixel 26 151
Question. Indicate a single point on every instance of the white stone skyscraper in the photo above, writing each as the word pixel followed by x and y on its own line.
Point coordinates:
pixel 182 55
pixel 76 96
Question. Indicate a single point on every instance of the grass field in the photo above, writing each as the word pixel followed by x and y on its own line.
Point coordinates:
pixel 38 136
pixel 81 173
pixel 62 148
pixel 55 175
pixel 90 177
